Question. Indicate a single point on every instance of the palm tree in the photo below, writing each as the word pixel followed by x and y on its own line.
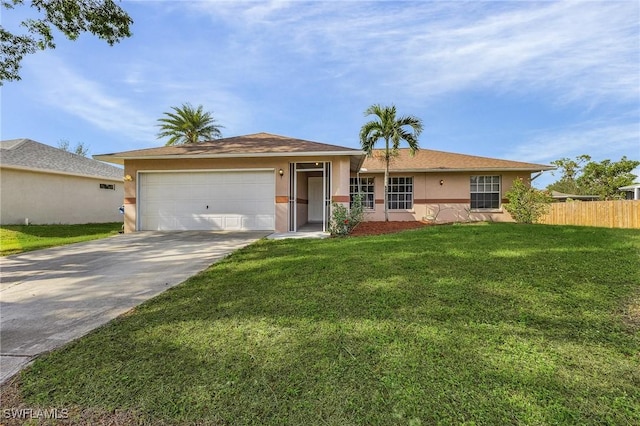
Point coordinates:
pixel 187 125
pixel 393 130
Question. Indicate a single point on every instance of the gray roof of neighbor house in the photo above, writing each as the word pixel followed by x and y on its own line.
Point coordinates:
pixel 630 187
pixel 27 154
pixel 562 196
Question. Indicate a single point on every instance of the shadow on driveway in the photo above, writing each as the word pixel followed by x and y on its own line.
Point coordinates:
pixel 53 296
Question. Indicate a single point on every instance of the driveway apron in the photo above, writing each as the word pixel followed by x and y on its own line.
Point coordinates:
pixel 53 296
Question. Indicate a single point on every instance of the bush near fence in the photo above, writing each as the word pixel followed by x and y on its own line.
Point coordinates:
pixel 607 214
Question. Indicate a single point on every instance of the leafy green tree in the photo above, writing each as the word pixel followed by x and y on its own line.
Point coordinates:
pixel 604 178
pixel 188 125
pixel 570 170
pixel 102 18
pixel 526 204
pixel 392 130
pixel 80 149
pixel 585 177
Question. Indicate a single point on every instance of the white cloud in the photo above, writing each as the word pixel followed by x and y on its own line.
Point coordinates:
pixel 88 100
pixel 598 139
pixel 132 109
pixel 569 51
pixel 258 61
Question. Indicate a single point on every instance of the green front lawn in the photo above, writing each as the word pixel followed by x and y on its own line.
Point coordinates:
pixel 19 238
pixel 476 324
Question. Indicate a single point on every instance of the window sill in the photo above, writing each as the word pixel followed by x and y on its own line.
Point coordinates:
pixel 487 211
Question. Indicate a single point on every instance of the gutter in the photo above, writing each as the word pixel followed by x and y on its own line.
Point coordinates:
pixel 537 176
pixel 443 170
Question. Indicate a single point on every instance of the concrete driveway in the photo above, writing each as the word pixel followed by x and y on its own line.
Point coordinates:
pixel 50 297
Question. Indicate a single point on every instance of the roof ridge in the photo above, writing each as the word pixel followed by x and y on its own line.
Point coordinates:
pixel 18 143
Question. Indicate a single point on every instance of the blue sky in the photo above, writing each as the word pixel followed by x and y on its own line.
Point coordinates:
pixel 528 81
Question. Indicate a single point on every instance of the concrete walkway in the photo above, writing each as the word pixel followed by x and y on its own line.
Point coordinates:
pixel 308 230
pixel 53 296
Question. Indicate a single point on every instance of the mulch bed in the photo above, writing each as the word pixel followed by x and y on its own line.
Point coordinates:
pixel 377 228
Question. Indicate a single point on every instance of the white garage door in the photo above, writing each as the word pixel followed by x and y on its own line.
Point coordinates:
pixel 229 200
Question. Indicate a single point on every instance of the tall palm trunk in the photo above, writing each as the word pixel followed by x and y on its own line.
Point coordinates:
pixel 386 180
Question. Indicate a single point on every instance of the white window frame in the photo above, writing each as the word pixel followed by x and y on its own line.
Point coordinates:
pixel 405 196
pixel 485 184
pixel 355 187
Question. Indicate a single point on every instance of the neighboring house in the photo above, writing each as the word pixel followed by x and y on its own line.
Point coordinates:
pixel 561 197
pixel 47 185
pixel 269 182
pixel 632 191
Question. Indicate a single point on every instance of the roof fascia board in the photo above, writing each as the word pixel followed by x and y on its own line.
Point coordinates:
pixel 484 169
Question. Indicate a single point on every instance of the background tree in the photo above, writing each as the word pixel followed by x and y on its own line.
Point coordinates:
pixel 570 170
pixel 102 18
pixel 188 125
pixel 604 178
pixel 526 204
pixel 80 149
pixel 586 177
pixel 392 130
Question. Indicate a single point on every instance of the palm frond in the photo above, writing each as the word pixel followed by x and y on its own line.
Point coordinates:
pixel 388 127
pixel 188 125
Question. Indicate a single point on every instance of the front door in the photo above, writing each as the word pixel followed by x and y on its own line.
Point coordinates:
pixel 318 192
pixel 316 204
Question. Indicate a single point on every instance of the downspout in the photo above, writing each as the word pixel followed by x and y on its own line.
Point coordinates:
pixel 537 176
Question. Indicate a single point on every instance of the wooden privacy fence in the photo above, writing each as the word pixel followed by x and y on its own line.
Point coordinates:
pixel 609 214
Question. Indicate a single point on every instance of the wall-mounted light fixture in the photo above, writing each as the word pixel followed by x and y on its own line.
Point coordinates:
pixel 441 182
pixel 128 178
pixel 281 172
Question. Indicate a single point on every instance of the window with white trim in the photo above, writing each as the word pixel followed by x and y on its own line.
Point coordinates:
pixel 364 187
pixel 485 192
pixel 400 193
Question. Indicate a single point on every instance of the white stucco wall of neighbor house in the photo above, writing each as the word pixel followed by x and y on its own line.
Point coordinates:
pixel 51 198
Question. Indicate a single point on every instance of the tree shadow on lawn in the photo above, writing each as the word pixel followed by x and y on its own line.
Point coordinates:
pixel 434 332
pixel 65 231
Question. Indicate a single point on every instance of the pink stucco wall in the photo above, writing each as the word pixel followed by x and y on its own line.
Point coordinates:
pixel 340 166
pixel 441 203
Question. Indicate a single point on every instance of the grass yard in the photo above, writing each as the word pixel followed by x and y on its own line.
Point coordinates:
pixel 19 238
pixel 466 324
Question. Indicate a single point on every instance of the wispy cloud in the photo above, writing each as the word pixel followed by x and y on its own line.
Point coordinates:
pixel 125 109
pixel 89 101
pixel 291 65
pixel 569 51
pixel 598 139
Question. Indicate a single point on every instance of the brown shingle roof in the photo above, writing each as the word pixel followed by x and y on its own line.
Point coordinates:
pixel 265 144
pixel 430 160
pixel 260 144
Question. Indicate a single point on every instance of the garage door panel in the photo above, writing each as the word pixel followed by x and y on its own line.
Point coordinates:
pixel 242 200
pixel 252 179
pixel 232 222
pixel 216 223
pixel 263 222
